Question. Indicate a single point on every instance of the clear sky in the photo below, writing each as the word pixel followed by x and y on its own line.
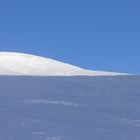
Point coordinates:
pixel 93 34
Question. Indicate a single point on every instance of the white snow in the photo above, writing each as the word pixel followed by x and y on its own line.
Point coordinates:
pixel 53 102
pixel 12 63
pixel 70 108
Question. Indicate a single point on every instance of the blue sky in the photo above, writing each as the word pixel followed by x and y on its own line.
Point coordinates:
pixel 93 34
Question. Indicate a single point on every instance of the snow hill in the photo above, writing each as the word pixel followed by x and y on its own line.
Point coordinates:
pixel 12 63
pixel 70 108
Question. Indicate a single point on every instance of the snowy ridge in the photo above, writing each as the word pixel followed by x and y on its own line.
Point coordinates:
pixel 12 63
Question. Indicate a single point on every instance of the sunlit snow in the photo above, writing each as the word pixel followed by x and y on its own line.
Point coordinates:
pixel 12 63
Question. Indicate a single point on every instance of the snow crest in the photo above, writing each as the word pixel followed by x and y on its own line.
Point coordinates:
pixel 12 63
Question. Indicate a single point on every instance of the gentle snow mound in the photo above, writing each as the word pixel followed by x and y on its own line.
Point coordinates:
pixel 12 63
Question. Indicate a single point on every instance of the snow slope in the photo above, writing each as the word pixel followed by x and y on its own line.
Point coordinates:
pixel 70 108
pixel 12 63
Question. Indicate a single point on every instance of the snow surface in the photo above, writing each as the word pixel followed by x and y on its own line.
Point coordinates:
pixel 70 108
pixel 12 63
